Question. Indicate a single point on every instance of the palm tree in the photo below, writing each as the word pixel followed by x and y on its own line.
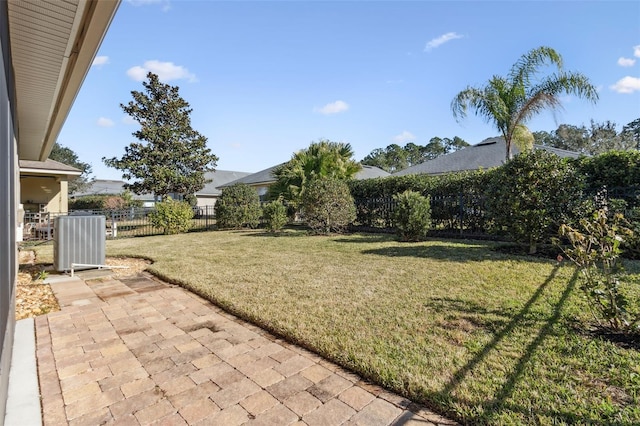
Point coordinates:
pixel 321 159
pixel 509 102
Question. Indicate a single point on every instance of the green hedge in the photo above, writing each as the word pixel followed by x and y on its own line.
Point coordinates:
pixel 450 195
pixel 563 189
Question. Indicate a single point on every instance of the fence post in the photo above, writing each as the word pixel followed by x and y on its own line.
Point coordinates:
pixel 461 212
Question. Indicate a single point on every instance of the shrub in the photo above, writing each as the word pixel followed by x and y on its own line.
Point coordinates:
pixel 612 169
pixel 237 207
pixel 275 215
pixel 595 250
pixel 114 202
pixel 105 202
pixel 328 206
pixel 412 215
pixel 88 202
pixel 532 195
pixel 173 217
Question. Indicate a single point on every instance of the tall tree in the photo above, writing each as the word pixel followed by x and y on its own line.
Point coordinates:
pixel 394 158
pixel 171 157
pixel 376 158
pixel 455 144
pixel 509 102
pixel 631 131
pixel 67 156
pixel 391 159
pixel 321 159
pixel 593 140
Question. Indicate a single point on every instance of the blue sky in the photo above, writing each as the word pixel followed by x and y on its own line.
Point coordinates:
pixel 266 78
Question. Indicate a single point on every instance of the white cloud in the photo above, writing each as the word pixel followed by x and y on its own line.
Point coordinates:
pixel 636 51
pixel 403 137
pixel 166 71
pixel 439 41
pixel 626 62
pixel 105 122
pixel 627 84
pixel 333 108
pixel 99 61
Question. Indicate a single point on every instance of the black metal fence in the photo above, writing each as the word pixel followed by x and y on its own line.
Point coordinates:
pixel 452 215
pixel 466 214
pixel 132 222
pixel 461 214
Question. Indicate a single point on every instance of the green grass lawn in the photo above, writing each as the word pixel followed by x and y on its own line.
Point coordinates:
pixel 478 335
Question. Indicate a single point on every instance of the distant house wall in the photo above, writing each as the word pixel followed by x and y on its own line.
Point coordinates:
pixel 48 190
pixel 206 200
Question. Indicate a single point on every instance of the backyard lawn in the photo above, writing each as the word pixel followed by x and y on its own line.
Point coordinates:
pixel 478 335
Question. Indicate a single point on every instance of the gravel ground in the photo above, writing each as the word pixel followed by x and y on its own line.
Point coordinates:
pixel 34 297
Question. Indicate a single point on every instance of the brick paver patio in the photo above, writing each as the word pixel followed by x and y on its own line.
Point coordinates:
pixel 138 351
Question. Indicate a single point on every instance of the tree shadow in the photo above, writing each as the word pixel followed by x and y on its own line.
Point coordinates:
pixel 365 238
pixel 470 252
pixel 499 401
pixel 262 233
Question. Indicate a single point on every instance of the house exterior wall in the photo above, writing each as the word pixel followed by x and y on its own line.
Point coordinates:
pixel 206 200
pixel 9 182
pixel 49 190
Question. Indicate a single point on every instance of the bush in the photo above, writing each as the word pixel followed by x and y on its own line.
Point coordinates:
pixel 275 215
pixel 105 202
pixel 412 215
pixel 532 195
pixel 328 206
pixel 173 217
pixel 237 207
pixel 595 250
pixel 613 169
pixel 88 202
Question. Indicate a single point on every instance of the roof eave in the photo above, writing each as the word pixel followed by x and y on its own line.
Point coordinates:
pixel 37 134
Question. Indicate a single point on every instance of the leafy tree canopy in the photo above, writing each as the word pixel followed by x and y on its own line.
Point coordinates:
pixel 596 139
pixel 509 102
pixel 67 156
pixel 394 158
pixel 171 157
pixel 322 159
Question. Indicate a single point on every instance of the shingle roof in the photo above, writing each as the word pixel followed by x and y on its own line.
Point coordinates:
pixel 266 176
pixel 263 176
pixel 370 172
pixel 49 166
pixel 219 178
pixel 485 155
pixel 108 187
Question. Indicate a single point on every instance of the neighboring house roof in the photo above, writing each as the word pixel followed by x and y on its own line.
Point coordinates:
pixel 370 172
pixel 219 178
pixel 48 167
pixel 262 177
pixel 108 187
pixel 485 155
pixel 265 177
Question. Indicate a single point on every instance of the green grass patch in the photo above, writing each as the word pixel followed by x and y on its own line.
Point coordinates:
pixel 477 334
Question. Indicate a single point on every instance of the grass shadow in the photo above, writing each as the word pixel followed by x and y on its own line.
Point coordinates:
pixel 499 401
pixel 439 252
pixel 477 252
pixel 362 238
